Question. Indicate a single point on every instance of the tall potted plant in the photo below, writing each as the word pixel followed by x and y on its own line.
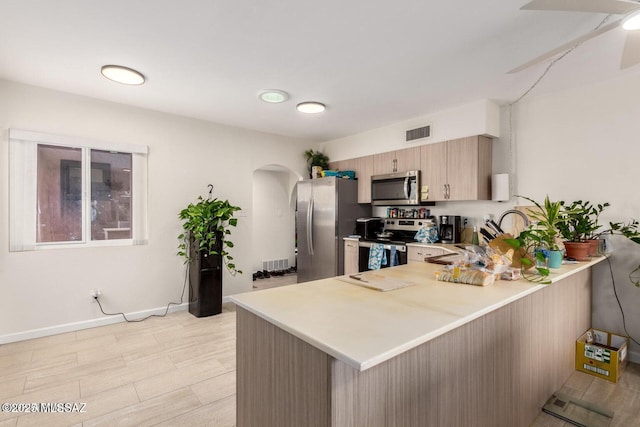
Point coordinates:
pixel 317 161
pixel 203 244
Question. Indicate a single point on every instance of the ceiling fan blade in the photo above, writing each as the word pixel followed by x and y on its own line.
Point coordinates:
pixel 615 7
pixel 631 52
pixel 566 46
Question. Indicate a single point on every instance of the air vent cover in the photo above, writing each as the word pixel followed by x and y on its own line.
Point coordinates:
pixel 423 132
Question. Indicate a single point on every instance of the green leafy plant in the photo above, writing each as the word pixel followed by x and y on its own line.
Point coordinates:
pixel 581 221
pixel 526 242
pixel 316 158
pixel 543 233
pixel 628 230
pixel 547 220
pixel 204 222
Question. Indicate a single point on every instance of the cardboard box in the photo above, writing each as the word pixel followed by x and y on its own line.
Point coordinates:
pixel 602 354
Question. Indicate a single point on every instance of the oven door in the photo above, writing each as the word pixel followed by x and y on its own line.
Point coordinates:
pixel 364 254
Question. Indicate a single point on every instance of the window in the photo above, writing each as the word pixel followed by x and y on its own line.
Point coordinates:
pixel 66 192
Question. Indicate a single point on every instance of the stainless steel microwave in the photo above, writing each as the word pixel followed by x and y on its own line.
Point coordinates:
pixel 399 188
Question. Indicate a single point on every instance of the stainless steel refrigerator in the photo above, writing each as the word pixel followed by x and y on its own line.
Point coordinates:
pixel 326 211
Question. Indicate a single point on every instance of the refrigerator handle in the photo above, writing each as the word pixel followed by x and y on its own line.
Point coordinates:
pixel 310 227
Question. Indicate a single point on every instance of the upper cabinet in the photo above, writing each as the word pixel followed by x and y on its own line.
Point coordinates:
pixel 459 169
pixel 404 160
pixel 363 167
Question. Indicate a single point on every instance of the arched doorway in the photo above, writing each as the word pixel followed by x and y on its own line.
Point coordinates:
pixel 273 224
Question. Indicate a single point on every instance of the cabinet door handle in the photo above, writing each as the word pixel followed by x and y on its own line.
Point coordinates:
pixel 395 165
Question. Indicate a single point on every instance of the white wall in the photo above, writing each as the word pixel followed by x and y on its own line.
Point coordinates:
pixel 273 217
pixel 583 144
pixel 477 118
pixel 45 289
pixel 577 144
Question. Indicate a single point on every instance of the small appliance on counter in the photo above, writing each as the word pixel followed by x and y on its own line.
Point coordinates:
pixel 368 228
pixel 450 228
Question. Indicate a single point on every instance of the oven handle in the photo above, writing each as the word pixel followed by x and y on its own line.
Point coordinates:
pixel 399 248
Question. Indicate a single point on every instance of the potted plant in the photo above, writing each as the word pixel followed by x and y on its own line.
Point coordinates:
pixel 594 236
pixel 526 256
pixel 539 242
pixel 204 244
pixel 544 230
pixel 316 162
pixel 580 222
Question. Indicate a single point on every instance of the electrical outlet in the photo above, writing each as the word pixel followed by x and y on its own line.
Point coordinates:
pixel 95 293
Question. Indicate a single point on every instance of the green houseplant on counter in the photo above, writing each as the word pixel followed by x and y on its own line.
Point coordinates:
pixel 204 244
pixel 540 240
pixel 579 229
pixel 544 232
pixel 316 159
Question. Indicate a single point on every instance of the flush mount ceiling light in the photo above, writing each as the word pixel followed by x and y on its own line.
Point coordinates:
pixel 124 75
pixel 273 96
pixel 311 107
pixel 632 22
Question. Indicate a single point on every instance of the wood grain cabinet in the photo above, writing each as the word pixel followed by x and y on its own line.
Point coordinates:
pixel 350 256
pixel 404 160
pixel 363 167
pixel 459 169
pixel 419 253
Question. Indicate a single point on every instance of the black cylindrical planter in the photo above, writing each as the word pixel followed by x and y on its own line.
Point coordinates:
pixel 205 281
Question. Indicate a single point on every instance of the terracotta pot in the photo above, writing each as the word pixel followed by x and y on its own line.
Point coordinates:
pixel 594 245
pixel 577 250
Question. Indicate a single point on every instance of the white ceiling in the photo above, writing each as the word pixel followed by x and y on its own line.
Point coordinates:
pixel 372 62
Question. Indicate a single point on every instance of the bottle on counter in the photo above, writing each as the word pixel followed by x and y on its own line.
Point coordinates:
pixel 474 239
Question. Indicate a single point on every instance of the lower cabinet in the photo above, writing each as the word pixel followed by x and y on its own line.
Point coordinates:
pixel 350 256
pixel 419 253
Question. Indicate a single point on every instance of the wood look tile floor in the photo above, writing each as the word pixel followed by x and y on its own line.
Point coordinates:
pixel 623 397
pixel 180 371
pixel 175 371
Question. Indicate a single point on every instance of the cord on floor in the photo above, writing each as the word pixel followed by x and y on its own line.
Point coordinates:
pixel 615 292
pixel 184 287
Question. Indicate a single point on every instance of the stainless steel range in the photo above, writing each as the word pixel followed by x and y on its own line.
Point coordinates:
pixel 397 232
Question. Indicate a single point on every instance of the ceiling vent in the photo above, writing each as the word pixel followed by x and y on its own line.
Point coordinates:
pixel 423 132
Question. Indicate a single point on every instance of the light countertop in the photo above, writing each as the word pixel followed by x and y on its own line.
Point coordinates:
pixel 364 327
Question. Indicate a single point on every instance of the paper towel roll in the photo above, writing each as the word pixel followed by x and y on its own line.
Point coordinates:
pixel 500 187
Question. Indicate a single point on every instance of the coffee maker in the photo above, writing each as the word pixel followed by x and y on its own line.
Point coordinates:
pixel 450 229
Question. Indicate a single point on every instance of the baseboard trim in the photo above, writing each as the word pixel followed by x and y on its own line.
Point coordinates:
pixel 86 324
pixel 634 357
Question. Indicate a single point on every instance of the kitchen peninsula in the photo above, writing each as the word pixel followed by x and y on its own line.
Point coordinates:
pixel 330 353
